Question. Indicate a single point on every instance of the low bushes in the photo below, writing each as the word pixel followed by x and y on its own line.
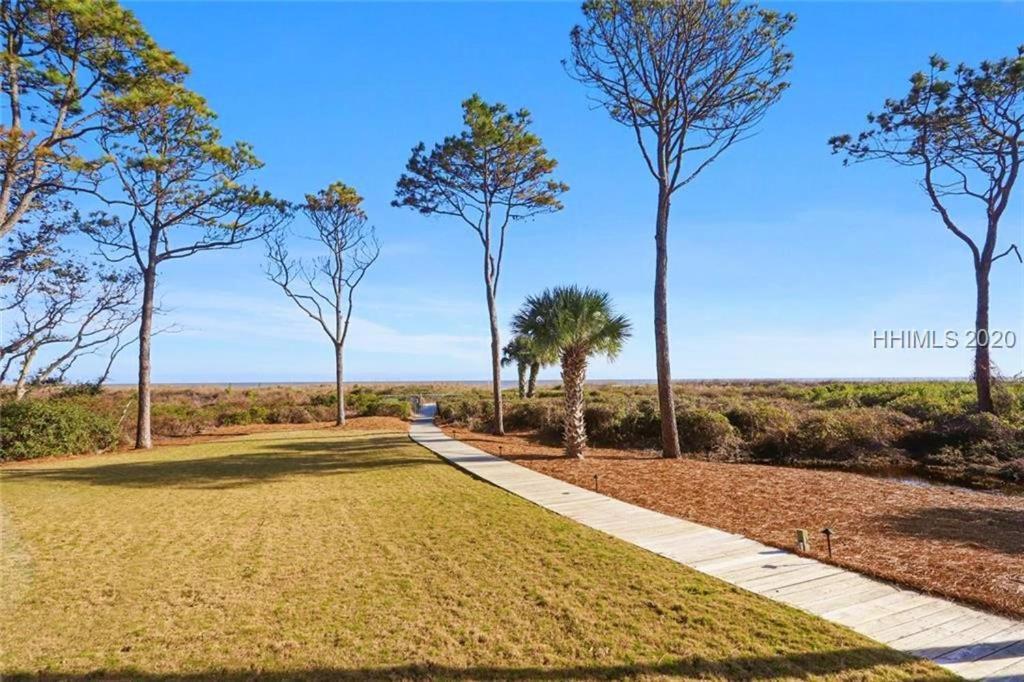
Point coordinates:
pixel 854 436
pixel 80 419
pixel 39 428
pixel 922 427
pixel 768 429
pixel 705 431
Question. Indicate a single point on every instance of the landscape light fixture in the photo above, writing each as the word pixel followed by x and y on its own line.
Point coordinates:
pixel 828 540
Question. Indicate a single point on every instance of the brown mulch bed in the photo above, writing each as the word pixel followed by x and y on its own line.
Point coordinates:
pixel 958 543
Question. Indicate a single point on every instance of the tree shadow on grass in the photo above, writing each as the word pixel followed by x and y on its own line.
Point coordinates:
pixel 998 529
pixel 856 661
pixel 256 464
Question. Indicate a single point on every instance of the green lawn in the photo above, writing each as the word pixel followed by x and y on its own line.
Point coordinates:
pixel 358 555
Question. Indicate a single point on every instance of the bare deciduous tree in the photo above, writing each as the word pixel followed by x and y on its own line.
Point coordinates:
pixel 324 286
pixel 63 310
pixel 493 173
pixel 966 136
pixel 690 79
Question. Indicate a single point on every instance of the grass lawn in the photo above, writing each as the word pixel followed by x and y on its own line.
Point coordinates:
pixel 355 555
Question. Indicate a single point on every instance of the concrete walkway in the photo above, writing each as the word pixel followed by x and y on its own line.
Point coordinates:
pixel 971 643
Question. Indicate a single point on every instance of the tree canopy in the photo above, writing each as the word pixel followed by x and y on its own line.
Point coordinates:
pixel 64 62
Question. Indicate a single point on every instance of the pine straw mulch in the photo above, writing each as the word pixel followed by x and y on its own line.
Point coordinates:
pixel 958 543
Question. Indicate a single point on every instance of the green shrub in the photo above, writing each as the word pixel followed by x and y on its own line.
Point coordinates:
pixel 289 414
pixel 327 399
pixel 703 430
pixel 845 434
pixel 925 405
pixel 41 428
pixel 388 407
pixel 552 420
pixel 604 423
pixel 359 402
pixel 525 414
pixel 641 424
pixel 254 414
pixel 472 411
pixel 767 428
pixel 176 419
pixel 959 430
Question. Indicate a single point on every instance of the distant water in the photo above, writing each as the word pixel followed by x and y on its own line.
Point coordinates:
pixel 511 383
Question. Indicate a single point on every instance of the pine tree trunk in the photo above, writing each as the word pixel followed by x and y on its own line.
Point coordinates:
pixel 982 361
pixel 492 311
pixel 143 433
pixel 531 384
pixel 666 399
pixel 339 386
pixel 521 370
pixel 574 374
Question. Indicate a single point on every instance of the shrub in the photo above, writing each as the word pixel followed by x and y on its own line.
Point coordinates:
pixel 924 405
pixel 525 414
pixel 552 421
pixel 959 430
pixel 289 414
pixel 703 430
pixel 845 434
pixel 641 425
pixel 388 407
pixel 327 399
pixel 472 411
pixel 358 402
pixel 1013 471
pixel 254 414
pixel 40 428
pixel 767 428
pixel 176 419
pixel 604 423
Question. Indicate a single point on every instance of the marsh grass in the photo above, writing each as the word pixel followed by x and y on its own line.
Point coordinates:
pixel 347 555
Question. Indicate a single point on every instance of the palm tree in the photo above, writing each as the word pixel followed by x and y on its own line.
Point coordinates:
pixel 515 351
pixel 576 324
pixel 527 356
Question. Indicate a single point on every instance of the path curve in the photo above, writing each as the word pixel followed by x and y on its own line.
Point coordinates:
pixel 971 643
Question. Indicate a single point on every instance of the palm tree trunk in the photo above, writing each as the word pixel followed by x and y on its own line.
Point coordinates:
pixel 982 361
pixel 574 374
pixel 521 369
pixel 666 399
pixel 531 384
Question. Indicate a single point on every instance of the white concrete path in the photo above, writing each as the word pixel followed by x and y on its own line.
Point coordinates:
pixel 971 643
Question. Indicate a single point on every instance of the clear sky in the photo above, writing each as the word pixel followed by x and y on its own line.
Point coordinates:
pixel 783 262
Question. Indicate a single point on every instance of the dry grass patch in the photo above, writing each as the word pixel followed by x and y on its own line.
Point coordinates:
pixel 358 555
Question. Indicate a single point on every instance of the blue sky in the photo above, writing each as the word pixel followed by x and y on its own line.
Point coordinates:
pixel 783 262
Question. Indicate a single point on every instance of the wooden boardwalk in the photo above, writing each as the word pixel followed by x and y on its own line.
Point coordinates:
pixel 971 643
